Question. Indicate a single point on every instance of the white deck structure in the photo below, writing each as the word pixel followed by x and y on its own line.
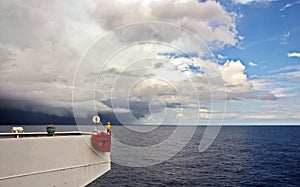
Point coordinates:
pixel 35 159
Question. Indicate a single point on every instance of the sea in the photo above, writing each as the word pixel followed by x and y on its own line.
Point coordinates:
pixel 239 156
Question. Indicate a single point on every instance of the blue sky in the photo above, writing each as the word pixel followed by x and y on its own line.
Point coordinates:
pixel 130 59
pixel 270 33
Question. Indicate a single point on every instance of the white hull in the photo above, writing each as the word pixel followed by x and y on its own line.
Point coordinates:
pixel 50 161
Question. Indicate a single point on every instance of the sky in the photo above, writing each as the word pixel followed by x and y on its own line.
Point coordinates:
pixel 150 62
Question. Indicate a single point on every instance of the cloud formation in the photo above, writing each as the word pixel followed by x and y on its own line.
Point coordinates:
pixel 288 5
pixel 285 37
pixel 251 1
pixel 267 96
pixel 236 81
pixel 208 20
pixel 252 64
pixel 294 54
pixel 41 44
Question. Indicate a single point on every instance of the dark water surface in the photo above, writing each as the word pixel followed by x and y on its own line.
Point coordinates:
pixel 239 156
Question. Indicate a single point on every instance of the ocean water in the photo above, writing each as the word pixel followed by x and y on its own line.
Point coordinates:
pixel 239 156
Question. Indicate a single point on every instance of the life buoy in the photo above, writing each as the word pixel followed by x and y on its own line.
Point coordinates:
pixel 101 141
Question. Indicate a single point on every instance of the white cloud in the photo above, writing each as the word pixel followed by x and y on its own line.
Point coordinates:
pixel 221 57
pixel 41 44
pixel 283 93
pixel 267 96
pixel 209 20
pixel 262 84
pixel 273 90
pixel 282 84
pixel 285 37
pixel 294 54
pixel 203 110
pixel 236 81
pixel 251 1
pixel 289 68
pixel 262 116
pixel 295 75
pixel 252 64
pixel 288 5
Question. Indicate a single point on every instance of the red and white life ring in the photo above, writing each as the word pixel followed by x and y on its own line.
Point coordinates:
pixel 101 141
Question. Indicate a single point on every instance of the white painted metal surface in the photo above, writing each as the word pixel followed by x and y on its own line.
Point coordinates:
pixel 50 161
